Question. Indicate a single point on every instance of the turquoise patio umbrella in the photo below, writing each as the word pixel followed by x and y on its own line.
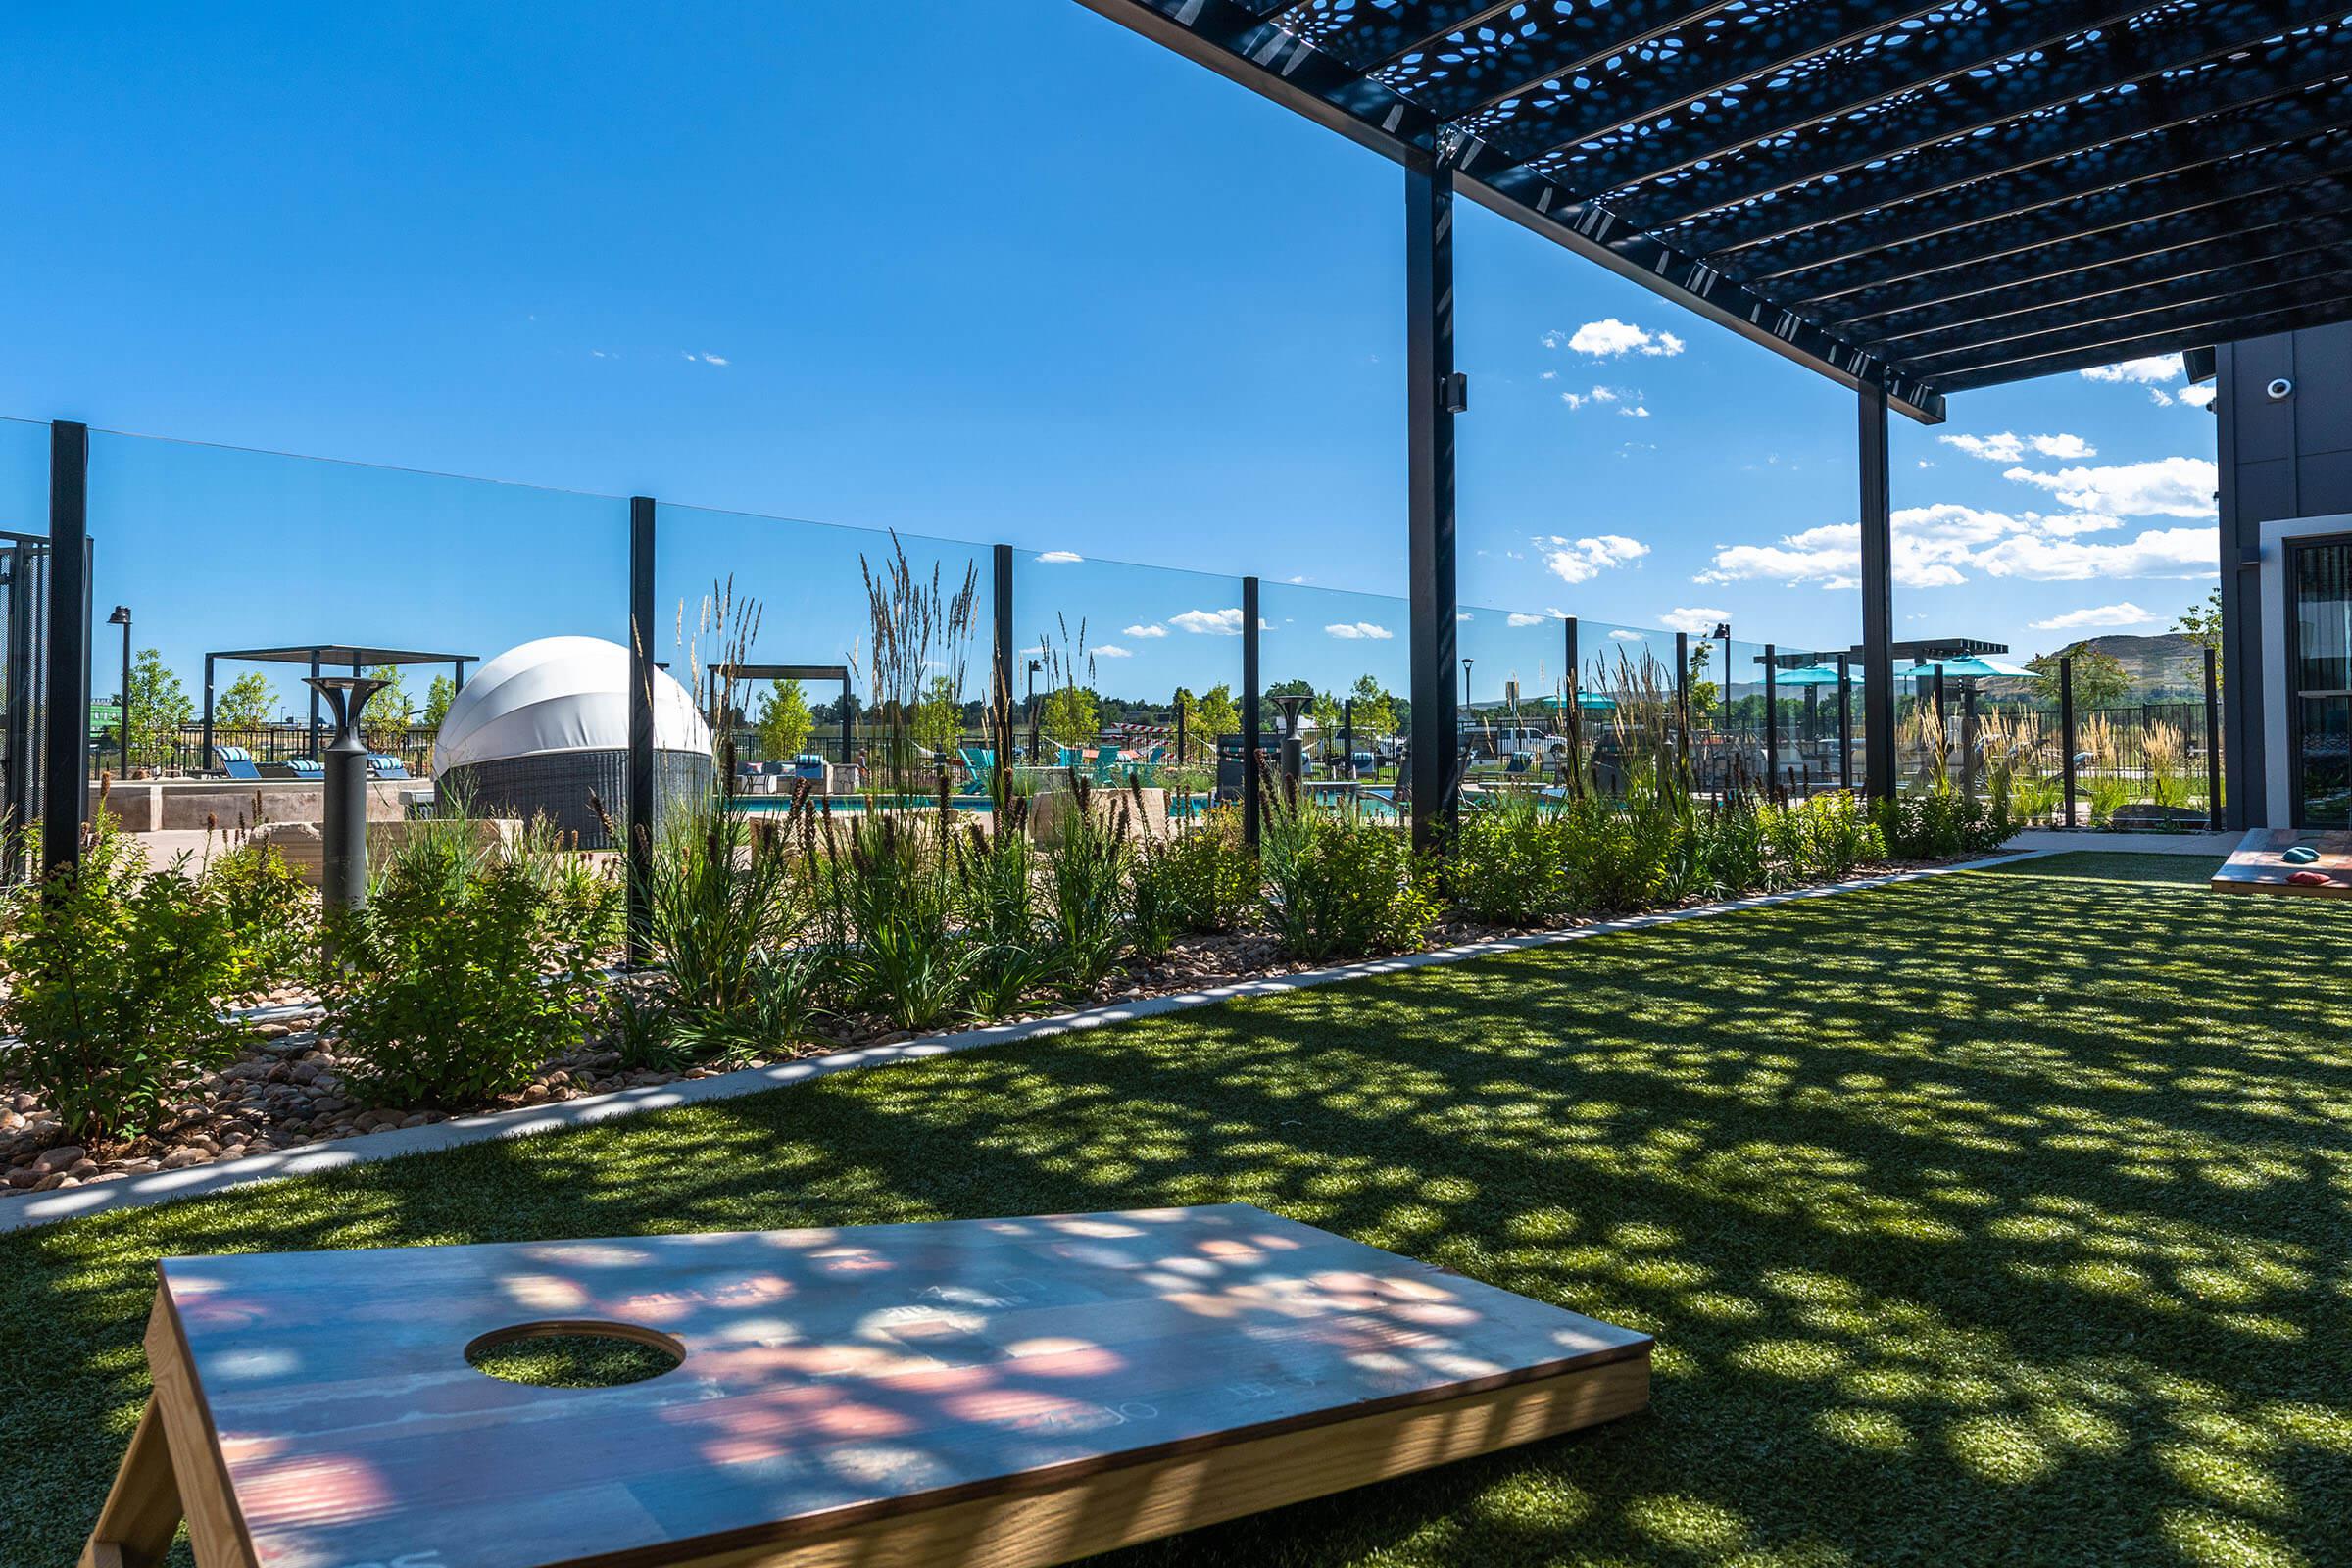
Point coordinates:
pixel 1972 666
pixel 1812 675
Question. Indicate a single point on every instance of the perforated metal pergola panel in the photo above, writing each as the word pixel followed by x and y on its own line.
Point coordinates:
pixel 1934 198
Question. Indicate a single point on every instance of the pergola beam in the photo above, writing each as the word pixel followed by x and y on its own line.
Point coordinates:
pixel 1986 102
pixel 2231 330
pixel 1775 109
pixel 2215 195
pixel 2200 318
pixel 2255 84
pixel 1549 47
pixel 2143 170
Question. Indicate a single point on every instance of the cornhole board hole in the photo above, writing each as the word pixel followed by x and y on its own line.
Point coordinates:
pixel 996 1393
pixel 2258 865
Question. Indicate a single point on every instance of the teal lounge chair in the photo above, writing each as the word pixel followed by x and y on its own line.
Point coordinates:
pixel 236 761
pixel 981 763
pixel 1146 772
pixel 1107 766
pixel 1071 757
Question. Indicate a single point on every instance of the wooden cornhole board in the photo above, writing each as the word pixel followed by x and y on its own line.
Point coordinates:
pixel 2256 866
pixel 983 1392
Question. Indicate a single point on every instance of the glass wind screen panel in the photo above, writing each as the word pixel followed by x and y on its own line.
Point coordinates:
pixel 24 476
pixel 1100 648
pixel 734 588
pixel 1343 648
pixel 220 549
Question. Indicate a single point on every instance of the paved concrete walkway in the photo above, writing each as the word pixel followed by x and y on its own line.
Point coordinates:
pixel 2216 847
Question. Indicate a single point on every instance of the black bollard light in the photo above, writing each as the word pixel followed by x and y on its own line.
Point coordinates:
pixel 343 857
pixel 1291 702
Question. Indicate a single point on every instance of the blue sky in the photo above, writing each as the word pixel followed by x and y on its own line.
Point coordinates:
pixel 1007 273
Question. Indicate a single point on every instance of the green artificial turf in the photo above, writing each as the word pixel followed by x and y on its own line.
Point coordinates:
pixel 1991 1217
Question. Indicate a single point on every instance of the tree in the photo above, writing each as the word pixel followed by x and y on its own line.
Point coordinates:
pixel 784 720
pixel 2202 624
pixel 1375 708
pixel 2101 678
pixel 1703 693
pixel 384 725
pixel 1218 714
pixel 249 703
pixel 1070 715
pixel 159 709
pixel 939 718
pixel 437 697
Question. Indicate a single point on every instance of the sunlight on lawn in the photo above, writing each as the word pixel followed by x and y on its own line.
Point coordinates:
pixel 1992 1217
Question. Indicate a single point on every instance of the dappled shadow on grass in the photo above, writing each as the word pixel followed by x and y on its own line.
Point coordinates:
pixel 1992 1217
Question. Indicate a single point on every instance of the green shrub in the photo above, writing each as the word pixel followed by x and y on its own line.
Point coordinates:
pixel 721 893
pixel 1086 885
pixel 890 914
pixel 114 978
pixel 1012 956
pixel 1942 825
pixel 448 996
pixel 1202 879
pixel 777 1011
pixel 1832 835
pixel 1622 855
pixel 1510 863
pixel 1730 850
pixel 1341 886
pixel 270 909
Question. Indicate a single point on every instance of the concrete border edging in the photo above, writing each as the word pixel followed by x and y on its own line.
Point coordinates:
pixel 161 1187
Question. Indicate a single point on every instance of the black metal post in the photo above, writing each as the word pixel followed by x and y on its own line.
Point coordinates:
pixel 66 766
pixel 2065 731
pixel 1250 805
pixel 1576 699
pixel 1772 722
pixel 456 679
pixel 310 746
pixel 1430 470
pixel 1937 684
pixel 1682 704
pixel 999 692
pixel 343 829
pixel 1180 736
pixel 1968 738
pixel 1727 683
pixel 1845 724
pixel 122 617
pixel 2213 738
pixel 1347 736
pixel 1878 596
pixel 204 763
pixel 638 815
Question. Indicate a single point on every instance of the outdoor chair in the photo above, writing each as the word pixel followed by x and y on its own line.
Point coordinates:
pixel 308 768
pixel 1071 757
pixel 1148 771
pixel 980 764
pixel 236 761
pixel 1107 764
pixel 383 764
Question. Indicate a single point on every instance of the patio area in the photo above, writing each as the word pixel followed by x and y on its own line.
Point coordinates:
pixel 1996 1215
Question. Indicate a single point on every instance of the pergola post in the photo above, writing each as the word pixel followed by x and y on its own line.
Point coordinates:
pixel 1429 448
pixel 1572 686
pixel 1772 719
pixel 1878 596
pixel 1249 712
pixel 638 810
pixel 1846 722
pixel 309 744
pixel 66 768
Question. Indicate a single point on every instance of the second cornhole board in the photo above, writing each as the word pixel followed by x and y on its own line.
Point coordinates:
pixel 996 1393
pixel 2258 865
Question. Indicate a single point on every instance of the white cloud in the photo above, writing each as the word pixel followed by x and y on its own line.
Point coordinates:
pixel 2164 487
pixel 1359 630
pixel 2198 396
pixel 1636 412
pixel 1520 617
pixel 2155 368
pixel 2125 613
pixel 1461 616
pixel 1216 622
pixel 706 358
pixel 1573 400
pixel 2009 447
pixel 1608 338
pixel 1112 651
pixel 2157 553
pixel 1606 394
pixel 1060 558
pixel 1624 636
pixel 1583 560
pixel 1548 376
pixel 1209 622
pixel 1146 631
pixel 1697 621
pixel 2160 397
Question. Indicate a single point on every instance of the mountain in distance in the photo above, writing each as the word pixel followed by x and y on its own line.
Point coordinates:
pixel 2169 663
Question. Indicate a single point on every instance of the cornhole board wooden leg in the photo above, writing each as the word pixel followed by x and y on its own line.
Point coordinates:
pixel 171 1471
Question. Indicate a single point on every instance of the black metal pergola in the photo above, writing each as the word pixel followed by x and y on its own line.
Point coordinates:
pixel 837 673
pixel 1912 200
pixel 320 656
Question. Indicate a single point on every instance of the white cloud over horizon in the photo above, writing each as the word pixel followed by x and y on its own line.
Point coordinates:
pixel 2101 616
pixel 1144 631
pixel 1695 619
pixel 1060 558
pixel 1112 651
pixel 1360 631
pixel 2161 487
pixel 2010 447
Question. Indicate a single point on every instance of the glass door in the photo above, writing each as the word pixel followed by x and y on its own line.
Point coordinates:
pixel 2319 676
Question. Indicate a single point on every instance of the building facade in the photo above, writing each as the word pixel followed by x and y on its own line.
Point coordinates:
pixel 2285 499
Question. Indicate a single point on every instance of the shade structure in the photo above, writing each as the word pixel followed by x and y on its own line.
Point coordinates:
pixel 1930 198
pixel 1973 666
pixel 544 730
pixel 1813 675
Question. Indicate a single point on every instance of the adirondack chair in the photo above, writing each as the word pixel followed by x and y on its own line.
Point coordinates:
pixel 1148 770
pixel 1107 766
pixel 980 763
pixel 236 761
